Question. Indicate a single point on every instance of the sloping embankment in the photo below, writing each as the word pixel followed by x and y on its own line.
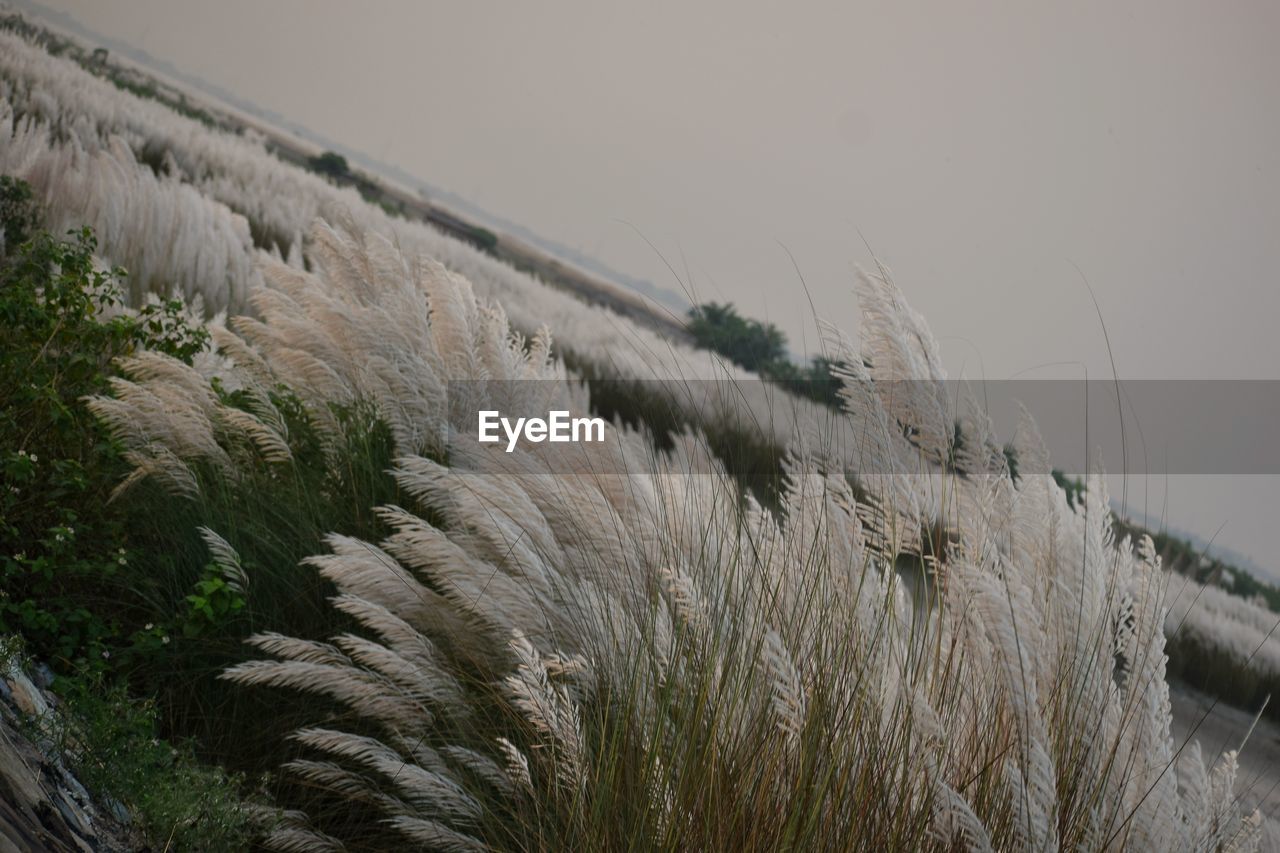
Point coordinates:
pixel 43 806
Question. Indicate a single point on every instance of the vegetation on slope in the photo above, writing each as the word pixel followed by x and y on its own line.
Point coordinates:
pixel 70 568
pixel 275 466
pixel 1237 675
pixel 762 349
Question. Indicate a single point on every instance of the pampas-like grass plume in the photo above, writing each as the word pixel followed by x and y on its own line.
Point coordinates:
pixel 552 645
pixel 625 650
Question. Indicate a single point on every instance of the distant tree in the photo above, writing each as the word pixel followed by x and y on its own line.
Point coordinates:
pixel 1073 486
pixel 484 239
pixel 748 343
pixel 824 386
pixel 762 348
pixel 814 380
pixel 330 163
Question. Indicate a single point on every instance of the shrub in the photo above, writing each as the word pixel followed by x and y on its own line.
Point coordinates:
pixel 113 744
pixel 762 349
pixel 330 164
pixel 749 343
pixel 19 215
pixel 61 542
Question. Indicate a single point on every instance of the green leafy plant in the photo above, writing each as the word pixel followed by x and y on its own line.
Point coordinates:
pixel 62 324
pixel 19 216
pixel 331 164
pixel 112 742
pixel 218 597
pixel 762 348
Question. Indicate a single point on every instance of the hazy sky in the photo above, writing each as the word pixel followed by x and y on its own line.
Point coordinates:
pixel 984 151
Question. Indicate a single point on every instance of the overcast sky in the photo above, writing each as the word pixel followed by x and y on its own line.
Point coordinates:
pixel 984 152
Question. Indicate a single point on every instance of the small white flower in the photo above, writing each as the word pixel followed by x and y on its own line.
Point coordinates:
pixel 106 654
pixel 165 640
pixel 22 453
pixel 148 626
pixel 35 458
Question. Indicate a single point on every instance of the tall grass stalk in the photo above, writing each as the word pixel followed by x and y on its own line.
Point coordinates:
pixel 625 651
